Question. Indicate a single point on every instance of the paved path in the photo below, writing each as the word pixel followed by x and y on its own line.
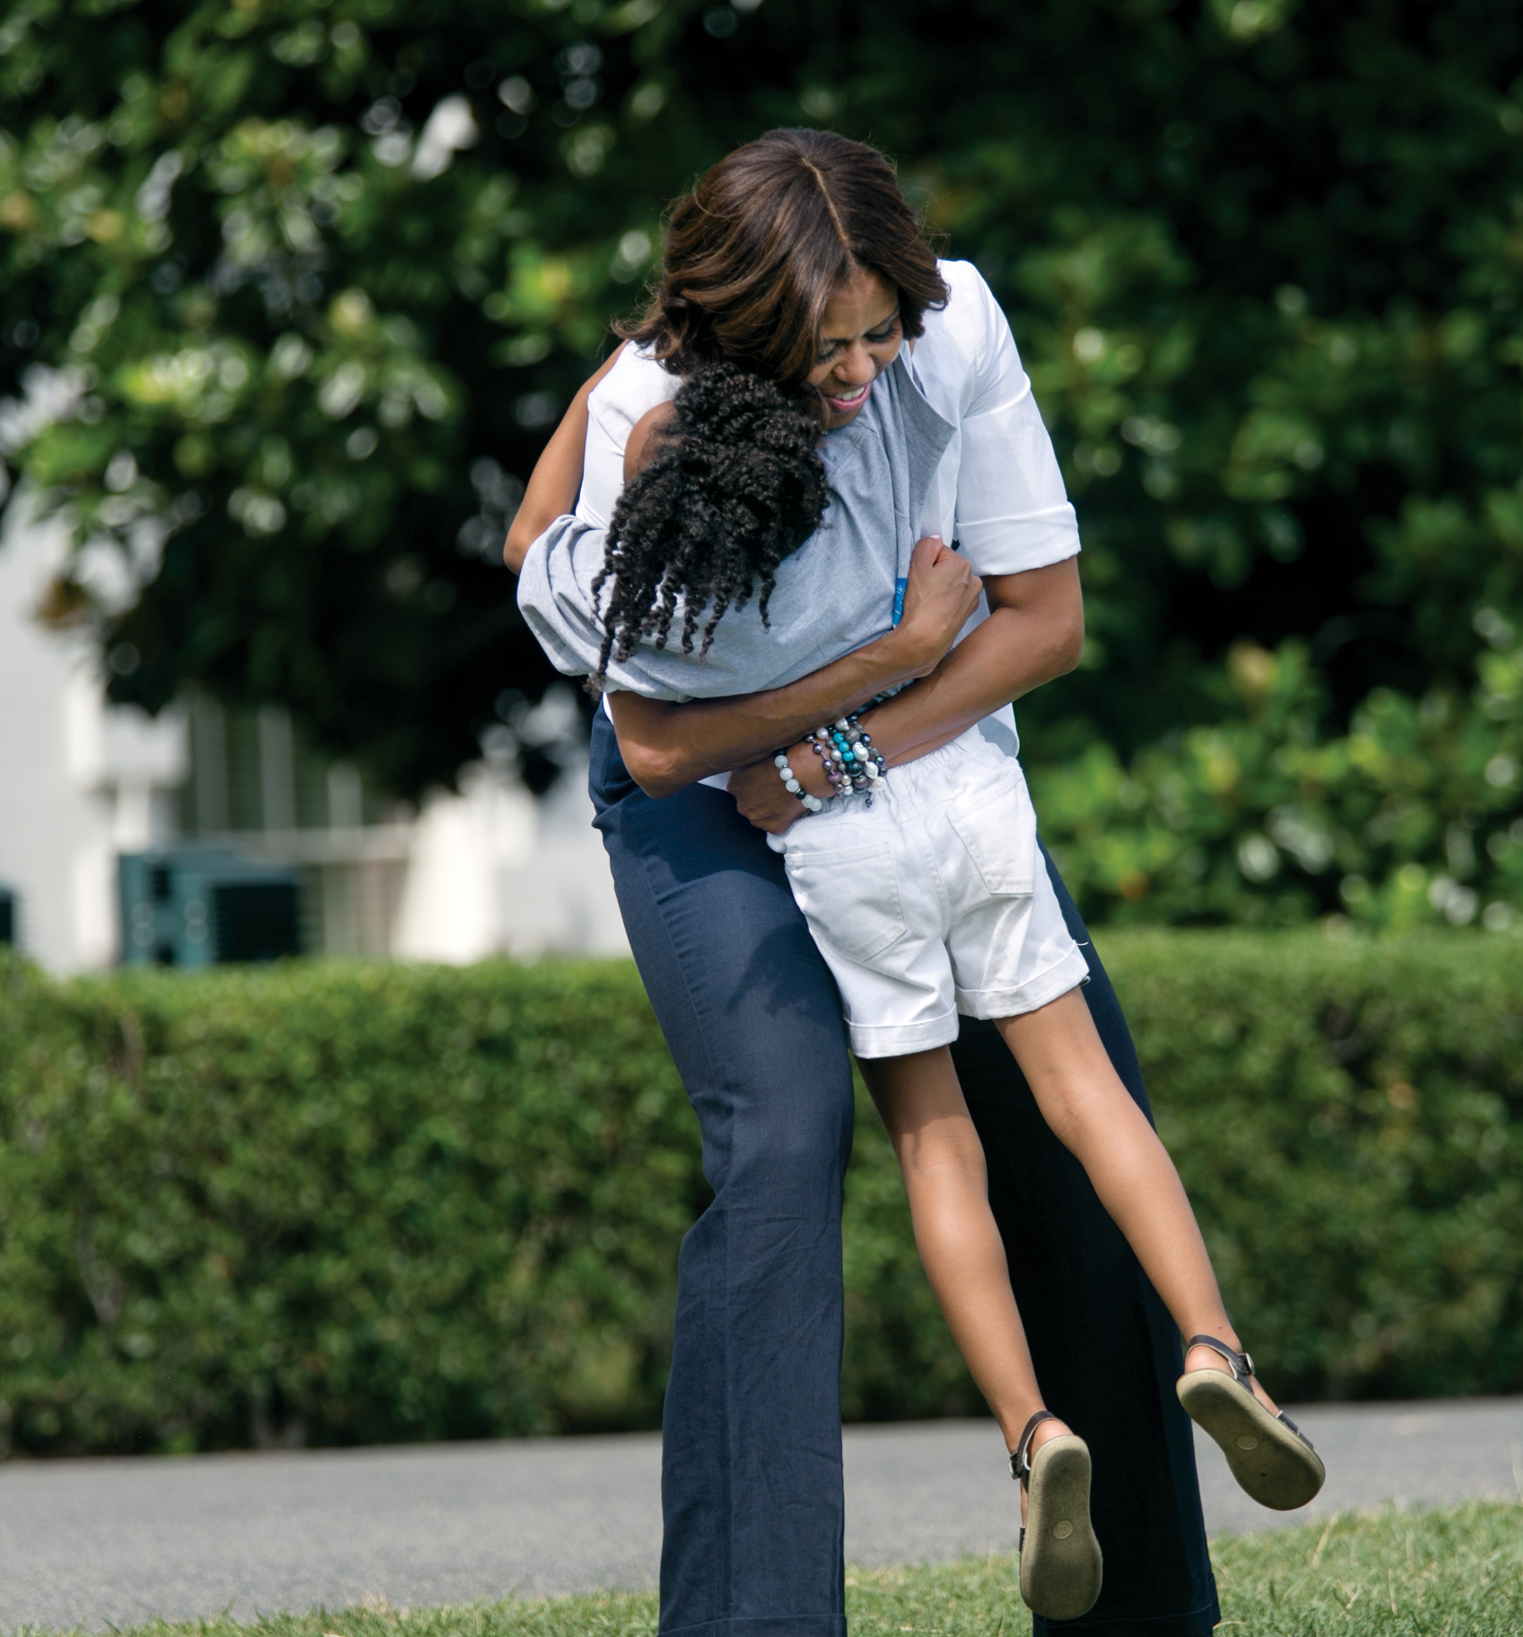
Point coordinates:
pixel 116 1541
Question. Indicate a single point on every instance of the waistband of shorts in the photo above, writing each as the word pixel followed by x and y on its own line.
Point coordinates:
pixel 928 773
pixel 936 766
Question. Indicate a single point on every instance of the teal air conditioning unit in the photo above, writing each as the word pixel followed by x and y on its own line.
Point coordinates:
pixel 203 906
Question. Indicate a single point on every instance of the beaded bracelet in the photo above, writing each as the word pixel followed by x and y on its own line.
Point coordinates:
pixel 812 804
pixel 851 763
pixel 847 750
pixel 832 772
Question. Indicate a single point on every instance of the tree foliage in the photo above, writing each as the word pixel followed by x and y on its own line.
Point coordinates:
pixel 325 273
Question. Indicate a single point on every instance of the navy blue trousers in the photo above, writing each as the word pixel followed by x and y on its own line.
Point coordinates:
pixel 751 1486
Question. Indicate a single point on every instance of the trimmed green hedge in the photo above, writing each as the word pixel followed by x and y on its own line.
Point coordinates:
pixel 368 1203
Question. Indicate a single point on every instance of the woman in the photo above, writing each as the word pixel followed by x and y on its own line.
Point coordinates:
pixel 798 258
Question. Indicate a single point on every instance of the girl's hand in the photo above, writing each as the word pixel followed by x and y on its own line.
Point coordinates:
pixel 940 597
pixel 764 800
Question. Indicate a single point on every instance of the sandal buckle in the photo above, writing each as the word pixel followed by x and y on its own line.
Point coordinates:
pixel 1020 1460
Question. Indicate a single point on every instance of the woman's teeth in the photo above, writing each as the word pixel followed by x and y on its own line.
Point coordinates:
pixel 848 400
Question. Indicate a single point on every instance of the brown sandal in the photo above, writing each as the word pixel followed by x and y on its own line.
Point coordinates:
pixel 1271 1458
pixel 1061 1569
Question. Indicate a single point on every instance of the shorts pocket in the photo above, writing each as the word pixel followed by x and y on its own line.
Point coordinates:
pixel 998 828
pixel 850 897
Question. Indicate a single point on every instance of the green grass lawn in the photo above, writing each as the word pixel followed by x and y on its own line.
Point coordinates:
pixel 1451 1573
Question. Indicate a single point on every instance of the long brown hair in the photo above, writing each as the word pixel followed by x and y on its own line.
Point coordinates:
pixel 755 251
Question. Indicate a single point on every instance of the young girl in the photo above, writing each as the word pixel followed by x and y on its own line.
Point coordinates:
pixel 924 892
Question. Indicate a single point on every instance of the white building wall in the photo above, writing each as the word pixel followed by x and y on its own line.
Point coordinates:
pixel 493 871
pixel 78 782
pixel 488 871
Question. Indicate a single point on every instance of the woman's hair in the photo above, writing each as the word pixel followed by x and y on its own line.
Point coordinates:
pixel 735 485
pixel 755 251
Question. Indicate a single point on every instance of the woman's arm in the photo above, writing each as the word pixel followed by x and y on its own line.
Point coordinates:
pixel 557 477
pixel 667 747
pixel 1019 532
pixel 1035 632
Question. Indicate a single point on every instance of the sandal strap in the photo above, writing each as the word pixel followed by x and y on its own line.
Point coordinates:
pixel 1242 1369
pixel 1295 1429
pixel 1240 1363
pixel 1020 1461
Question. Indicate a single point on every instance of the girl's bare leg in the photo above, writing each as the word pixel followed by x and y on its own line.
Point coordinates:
pixel 964 1257
pixel 1094 1117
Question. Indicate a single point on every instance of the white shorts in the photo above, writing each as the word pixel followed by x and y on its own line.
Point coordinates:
pixel 933 901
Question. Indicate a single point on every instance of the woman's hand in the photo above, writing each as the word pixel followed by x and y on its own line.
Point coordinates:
pixel 762 797
pixel 940 597
pixel 762 800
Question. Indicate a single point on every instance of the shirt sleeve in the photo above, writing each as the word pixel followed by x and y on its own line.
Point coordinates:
pixel 1013 513
pixel 555 597
pixel 554 594
pixel 635 384
pixel 556 576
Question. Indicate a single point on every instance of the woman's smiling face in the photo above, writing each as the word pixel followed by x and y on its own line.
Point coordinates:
pixel 859 337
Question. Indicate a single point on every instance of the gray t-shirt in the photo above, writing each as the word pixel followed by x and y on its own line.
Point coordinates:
pixel 835 593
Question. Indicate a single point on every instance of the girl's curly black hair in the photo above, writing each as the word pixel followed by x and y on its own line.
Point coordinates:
pixel 736 486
